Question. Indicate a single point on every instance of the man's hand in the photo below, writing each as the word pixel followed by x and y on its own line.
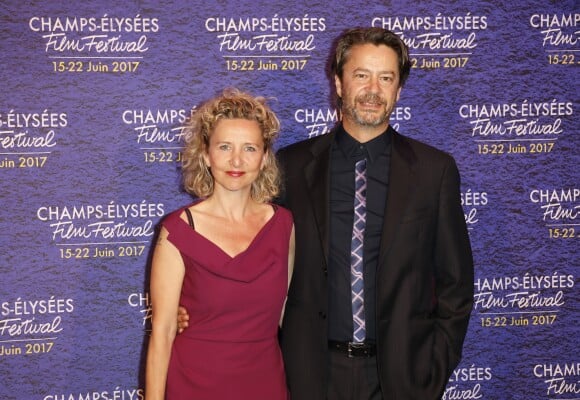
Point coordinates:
pixel 182 319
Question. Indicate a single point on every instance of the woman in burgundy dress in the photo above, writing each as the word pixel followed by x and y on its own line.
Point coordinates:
pixel 227 258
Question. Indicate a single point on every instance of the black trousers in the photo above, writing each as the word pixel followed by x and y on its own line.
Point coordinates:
pixel 353 378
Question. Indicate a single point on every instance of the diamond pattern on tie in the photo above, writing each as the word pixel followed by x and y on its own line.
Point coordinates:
pixel 356 252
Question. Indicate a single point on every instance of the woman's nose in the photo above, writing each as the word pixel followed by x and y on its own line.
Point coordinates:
pixel 236 159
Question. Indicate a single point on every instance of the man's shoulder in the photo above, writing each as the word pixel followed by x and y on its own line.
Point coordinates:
pixel 303 144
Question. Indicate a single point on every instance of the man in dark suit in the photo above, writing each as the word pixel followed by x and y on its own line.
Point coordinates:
pixel 418 268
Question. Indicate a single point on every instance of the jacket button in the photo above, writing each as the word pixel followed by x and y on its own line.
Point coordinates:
pixel 322 314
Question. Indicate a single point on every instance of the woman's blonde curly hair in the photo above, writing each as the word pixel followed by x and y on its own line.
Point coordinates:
pixel 231 104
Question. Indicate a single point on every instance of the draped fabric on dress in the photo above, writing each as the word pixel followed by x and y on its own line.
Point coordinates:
pixel 230 350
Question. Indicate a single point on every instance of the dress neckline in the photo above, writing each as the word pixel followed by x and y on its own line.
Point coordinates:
pixel 213 244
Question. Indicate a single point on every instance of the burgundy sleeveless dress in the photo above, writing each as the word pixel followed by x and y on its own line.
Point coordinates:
pixel 230 350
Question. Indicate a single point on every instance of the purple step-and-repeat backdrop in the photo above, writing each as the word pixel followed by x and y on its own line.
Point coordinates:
pixel 93 103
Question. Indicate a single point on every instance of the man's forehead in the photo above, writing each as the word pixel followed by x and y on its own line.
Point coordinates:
pixel 359 58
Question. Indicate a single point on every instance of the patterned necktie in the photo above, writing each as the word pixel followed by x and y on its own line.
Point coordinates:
pixel 356 252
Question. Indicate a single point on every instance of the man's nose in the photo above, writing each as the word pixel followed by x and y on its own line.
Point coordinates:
pixel 373 85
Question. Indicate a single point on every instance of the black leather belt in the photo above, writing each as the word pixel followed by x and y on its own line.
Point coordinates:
pixel 351 349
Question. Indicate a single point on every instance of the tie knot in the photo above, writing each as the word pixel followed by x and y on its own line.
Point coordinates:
pixel 361 165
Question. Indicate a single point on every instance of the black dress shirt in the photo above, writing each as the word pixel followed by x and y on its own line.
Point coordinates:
pixel 346 151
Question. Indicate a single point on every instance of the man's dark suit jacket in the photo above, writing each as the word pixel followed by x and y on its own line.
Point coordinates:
pixel 424 278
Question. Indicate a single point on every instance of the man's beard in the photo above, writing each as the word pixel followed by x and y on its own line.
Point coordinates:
pixel 367 119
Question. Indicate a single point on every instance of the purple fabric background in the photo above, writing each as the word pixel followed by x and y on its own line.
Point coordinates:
pixel 73 309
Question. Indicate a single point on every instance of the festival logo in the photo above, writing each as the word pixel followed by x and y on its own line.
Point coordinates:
pixel 159 133
pixel 118 393
pixel 101 230
pixel 142 302
pixel 472 201
pixel 106 44
pixel 28 139
pixel 559 210
pixel 561 380
pixel 467 383
pixel 521 301
pixel 521 129
pixel 559 36
pixel 318 121
pixel 32 326
pixel 277 43
pixel 437 41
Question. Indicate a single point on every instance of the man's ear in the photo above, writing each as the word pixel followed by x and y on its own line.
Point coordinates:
pixel 338 85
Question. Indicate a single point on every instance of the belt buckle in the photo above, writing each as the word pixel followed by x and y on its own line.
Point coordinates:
pixel 354 346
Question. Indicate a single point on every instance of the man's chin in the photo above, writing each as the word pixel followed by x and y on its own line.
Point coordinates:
pixel 371 120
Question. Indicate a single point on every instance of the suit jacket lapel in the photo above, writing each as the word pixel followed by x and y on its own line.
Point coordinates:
pixel 400 186
pixel 317 175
